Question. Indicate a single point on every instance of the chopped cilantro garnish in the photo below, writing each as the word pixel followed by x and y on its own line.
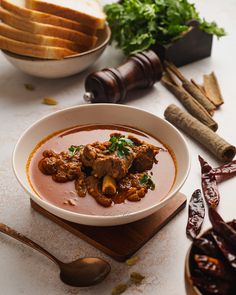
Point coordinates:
pixel 146 180
pixel 119 144
pixel 73 149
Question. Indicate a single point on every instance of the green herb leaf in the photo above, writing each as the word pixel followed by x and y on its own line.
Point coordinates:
pixel 146 180
pixel 113 139
pixel 126 141
pixel 212 28
pixel 73 149
pixel 123 151
pixel 138 24
pixel 119 144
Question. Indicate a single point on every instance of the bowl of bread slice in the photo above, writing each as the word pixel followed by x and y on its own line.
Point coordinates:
pixel 52 38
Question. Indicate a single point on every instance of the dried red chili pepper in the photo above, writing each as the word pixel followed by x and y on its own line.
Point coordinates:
pixel 206 246
pixel 210 266
pixel 209 184
pixel 227 169
pixel 212 286
pixel 196 213
pixel 225 249
pixel 222 228
pixel 224 172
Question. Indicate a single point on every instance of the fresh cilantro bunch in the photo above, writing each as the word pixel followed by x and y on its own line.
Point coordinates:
pixel 138 24
pixel 119 144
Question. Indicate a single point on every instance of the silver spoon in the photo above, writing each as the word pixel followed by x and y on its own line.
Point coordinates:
pixel 79 273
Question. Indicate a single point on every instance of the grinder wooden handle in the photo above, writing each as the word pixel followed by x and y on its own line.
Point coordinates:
pixel 111 85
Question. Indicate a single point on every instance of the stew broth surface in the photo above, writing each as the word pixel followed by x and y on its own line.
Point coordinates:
pixel 163 173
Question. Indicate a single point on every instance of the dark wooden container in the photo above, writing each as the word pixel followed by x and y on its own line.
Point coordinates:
pixel 192 46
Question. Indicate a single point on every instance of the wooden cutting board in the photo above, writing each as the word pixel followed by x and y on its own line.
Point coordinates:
pixel 122 241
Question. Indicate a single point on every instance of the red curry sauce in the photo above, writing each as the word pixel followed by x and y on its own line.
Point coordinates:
pixel 163 173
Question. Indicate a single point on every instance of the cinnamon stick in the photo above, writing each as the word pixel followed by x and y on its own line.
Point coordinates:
pixel 168 74
pixel 223 150
pixel 192 89
pixel 200 87
pixel 212 89
pixel 192 105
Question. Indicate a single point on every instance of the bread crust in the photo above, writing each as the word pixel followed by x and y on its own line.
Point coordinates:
pixel 22 36
pixel 46 18
pixel 46 7
pixel 48 30
pixel 45 52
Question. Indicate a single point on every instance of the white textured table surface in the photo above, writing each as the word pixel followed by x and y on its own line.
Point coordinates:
pixel 24 271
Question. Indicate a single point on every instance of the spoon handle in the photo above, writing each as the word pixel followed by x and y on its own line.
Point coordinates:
pixel 18 236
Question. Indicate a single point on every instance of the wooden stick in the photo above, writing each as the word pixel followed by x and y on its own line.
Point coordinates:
pixel 192 105
pixel 212 89
pixel 213 142
pixel 193 90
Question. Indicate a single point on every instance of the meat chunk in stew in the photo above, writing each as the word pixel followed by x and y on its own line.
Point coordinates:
pixel 63 167
pixel 104 162
pixel 135 186
pixel 93 186
pixel 111 172
pixel 132 187
pixel 145 154
pixel 117 156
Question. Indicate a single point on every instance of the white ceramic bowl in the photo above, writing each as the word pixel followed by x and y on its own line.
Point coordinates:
pixel 101 114
pixel 60 68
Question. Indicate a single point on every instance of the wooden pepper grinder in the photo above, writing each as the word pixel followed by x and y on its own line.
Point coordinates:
pixel 111 85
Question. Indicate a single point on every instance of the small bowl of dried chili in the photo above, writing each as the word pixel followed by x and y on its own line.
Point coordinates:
pixel 210 265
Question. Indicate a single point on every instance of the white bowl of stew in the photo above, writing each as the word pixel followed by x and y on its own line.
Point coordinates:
pixel 63 131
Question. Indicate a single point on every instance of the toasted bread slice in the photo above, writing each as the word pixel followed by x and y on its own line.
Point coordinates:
pixel 18 8
pixel 48 30
pixel 22 36
pixel 46 52
pixel 88 12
